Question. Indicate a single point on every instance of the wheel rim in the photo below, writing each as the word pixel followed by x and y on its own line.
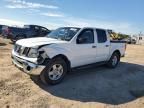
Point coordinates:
pixel 114 60
pixel 55 72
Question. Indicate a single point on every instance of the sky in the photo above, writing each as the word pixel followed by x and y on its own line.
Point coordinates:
pixel 125 16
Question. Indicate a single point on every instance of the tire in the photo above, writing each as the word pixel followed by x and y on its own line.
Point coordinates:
pixel 114 60
pixel 54 72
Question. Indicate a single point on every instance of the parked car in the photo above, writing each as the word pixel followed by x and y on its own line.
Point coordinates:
pixel 66 48
pixel 28 31
pixel 1 26
pixel 131 41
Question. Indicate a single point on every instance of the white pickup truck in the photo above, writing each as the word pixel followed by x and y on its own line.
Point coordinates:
pixel 66 48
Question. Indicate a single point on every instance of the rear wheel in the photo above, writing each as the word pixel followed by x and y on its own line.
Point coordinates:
pixel 54 72
pixel 114 60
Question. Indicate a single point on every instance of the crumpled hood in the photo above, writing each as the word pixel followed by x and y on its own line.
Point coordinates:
pixel 34 42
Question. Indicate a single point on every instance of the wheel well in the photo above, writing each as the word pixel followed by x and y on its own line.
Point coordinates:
pixel 65 59
pixel 118 52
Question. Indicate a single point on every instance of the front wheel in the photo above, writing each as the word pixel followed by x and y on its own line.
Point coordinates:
pixel 114 60
pixel 54 72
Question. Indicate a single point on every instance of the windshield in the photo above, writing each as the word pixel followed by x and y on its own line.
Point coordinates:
pixel 65 33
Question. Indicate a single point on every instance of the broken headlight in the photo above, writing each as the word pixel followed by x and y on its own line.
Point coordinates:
pixel 33 53
pixel 42 58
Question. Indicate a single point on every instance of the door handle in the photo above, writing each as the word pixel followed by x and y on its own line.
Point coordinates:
pixel 107 46
pixel 94 46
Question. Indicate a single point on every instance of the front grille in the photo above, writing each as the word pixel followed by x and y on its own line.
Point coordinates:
pixel 25 51
pixel 20 50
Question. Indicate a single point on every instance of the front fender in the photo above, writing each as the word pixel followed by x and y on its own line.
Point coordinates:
pixel 53 50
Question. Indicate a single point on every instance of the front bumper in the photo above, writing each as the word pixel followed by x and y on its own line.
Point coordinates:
pixel 27 66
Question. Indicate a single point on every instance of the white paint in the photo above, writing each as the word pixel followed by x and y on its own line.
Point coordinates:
pixel 34 42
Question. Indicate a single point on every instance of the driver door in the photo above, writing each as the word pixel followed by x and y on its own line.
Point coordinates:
pixel 85 49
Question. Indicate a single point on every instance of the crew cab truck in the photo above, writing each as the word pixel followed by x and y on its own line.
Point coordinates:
pixel 66 48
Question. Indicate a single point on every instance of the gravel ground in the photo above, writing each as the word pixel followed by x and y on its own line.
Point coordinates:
pixel 91 87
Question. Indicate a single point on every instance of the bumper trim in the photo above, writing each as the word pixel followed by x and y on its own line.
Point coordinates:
pixel 26 66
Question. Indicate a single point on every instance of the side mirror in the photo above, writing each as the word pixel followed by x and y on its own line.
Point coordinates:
pixel 81 40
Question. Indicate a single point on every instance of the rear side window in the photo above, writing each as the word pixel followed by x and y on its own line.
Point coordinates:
pixel 43 29
pixel 101 35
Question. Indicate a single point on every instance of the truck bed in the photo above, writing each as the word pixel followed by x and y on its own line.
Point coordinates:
pixel 117 41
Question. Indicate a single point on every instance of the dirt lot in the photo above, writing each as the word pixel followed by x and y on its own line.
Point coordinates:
pixel 95 87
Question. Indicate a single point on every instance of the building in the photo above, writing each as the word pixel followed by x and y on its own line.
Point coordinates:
pixel 141 40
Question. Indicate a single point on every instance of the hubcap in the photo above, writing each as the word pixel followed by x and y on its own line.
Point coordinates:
pixel 55 72
pixel 114 60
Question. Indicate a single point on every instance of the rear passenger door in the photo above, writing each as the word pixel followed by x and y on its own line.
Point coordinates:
pixel 103 45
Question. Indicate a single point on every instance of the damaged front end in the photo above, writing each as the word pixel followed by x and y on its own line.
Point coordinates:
pixel 42 59
pixel 32 63
pixel 27 66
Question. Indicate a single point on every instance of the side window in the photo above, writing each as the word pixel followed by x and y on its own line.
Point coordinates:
pixel 43 29
pixel 101 36
pixel 86 37
pixel 36 28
